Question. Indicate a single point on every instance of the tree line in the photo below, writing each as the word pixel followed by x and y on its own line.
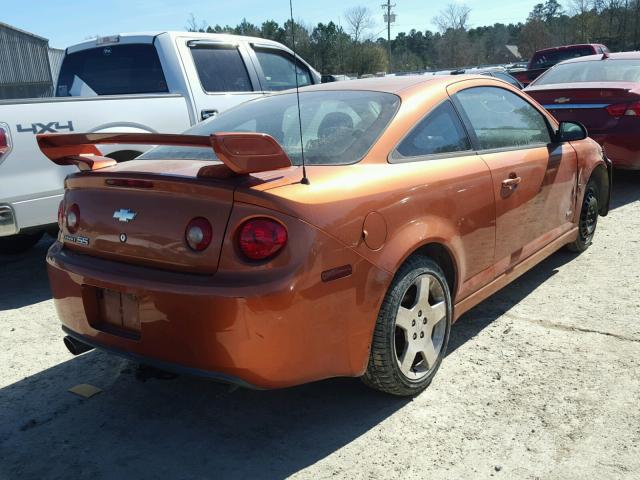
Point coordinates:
pixel 352 47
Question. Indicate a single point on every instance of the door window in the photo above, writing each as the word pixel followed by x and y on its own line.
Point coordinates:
pixel 439 132
pixel 280 70
pixel 502 119
pixel 221 69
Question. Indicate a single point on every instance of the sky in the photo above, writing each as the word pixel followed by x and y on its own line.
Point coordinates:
pixel 67 22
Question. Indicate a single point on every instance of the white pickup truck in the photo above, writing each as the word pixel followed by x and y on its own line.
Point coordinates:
pixel 160 82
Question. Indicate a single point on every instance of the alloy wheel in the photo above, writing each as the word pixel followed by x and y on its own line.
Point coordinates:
pixel 420 327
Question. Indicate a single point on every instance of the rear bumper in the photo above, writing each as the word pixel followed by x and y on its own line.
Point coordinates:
pixel 622 149
pixel 170 367
pixel 265 333
pixel 8 224
pixel 28 214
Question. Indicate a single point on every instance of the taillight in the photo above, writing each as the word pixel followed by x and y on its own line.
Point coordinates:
pixel 198 234
pixel 5 141
pixel 73 218
pixel 261 238
pixel 624 109
pixel 61 214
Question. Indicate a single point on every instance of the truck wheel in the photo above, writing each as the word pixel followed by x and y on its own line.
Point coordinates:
pixel 412 330
pixel 588 219
pixel 19 243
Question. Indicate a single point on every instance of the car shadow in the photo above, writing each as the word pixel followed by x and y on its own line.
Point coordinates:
pixel 24 277
pixel 145 426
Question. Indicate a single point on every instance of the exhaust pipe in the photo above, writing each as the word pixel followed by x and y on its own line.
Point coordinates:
pixel 76 347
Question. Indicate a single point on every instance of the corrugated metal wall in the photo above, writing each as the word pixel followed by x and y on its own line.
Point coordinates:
pixel 24 64
pixel 55 61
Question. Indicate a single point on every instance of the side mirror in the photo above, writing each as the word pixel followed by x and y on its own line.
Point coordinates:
pixel 571 132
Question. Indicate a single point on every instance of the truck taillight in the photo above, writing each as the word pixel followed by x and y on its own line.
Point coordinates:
pixel 261 238
pixel 624 109
pixel 73 218
pixel 5 140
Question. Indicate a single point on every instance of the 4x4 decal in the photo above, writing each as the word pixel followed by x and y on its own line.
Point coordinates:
pixel 51 127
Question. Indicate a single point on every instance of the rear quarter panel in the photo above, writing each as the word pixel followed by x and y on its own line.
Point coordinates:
pixel 447 201
pixel 590 158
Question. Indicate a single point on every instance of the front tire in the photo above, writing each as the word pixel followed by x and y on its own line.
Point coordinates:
pixel 19 243
pixel 412 331
pixel 588 219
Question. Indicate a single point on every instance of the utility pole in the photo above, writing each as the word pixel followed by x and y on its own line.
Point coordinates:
pixel 390 18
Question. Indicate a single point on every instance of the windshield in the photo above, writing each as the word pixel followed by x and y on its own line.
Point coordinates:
pixel 338 127
pixel 111 70
pixel 549 59
pixel 592 71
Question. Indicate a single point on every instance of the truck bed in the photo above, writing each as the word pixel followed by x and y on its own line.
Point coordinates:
pixel 31 185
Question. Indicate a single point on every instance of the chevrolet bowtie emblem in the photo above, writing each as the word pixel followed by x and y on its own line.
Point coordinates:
pixel 124 215
pixel 562 100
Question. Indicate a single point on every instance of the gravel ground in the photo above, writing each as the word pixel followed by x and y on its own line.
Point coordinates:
pixel 542 381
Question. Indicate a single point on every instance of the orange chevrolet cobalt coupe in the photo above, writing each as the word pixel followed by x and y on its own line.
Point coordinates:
pixel 217 253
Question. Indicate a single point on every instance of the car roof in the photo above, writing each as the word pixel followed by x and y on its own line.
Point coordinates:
pixel 394 85
pixel 149 36
pixel 604 57
pixel 567 47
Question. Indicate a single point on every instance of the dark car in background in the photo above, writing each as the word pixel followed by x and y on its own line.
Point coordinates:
pixel 542 60
pixel 328 78
pixel 495 72
pixel 603 93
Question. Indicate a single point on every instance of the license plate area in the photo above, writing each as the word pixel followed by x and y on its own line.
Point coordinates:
pixel 113 312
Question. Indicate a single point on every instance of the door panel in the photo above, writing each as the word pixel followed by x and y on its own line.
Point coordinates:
pixel 537 207
pixel 534 180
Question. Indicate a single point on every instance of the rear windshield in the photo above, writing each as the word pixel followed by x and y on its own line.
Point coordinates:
pixel 111 70
pixel 592 71
pixel 549 59
pixel 338 127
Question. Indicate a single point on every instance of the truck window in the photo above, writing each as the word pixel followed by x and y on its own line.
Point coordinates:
pixel 112 70
pixel 549 59
pixel 221 69
pixel 280 71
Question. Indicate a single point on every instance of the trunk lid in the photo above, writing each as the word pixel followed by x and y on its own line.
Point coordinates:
pixel 586 103
pixel 164 195
pixel 153 211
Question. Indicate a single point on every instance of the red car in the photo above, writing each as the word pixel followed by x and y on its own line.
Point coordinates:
pixel 603 93
pixel 543 60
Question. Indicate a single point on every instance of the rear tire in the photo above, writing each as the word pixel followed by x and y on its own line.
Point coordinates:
pixel 19 243
pixel 588 219
pixel 412 331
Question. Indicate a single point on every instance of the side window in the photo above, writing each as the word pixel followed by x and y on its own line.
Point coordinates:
pixel 439 132
pixel 502 119
pixel 221 69
pixel 280 70
pixel 507 78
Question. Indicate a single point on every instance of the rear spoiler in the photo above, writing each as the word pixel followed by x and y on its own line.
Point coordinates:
pixel 240 152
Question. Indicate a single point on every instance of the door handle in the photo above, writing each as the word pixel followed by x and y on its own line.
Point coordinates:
pixel 511 182
pixel 204 114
